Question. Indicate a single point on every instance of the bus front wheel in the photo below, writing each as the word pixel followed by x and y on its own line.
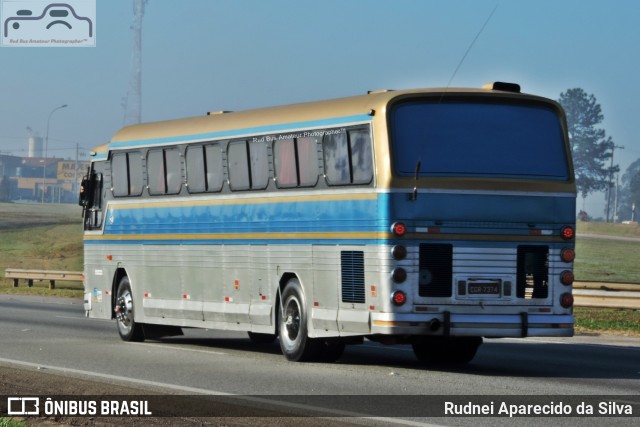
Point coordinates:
pixel 128 328
pixel 292 328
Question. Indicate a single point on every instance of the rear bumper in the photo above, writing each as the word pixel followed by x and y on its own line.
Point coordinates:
pixel 497 326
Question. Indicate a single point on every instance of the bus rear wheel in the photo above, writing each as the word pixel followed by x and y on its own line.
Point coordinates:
pixel 447 350
pixel 128 328
pixel 292 326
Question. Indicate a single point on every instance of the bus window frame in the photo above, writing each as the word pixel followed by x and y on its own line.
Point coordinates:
pixel 350 157
pixel 480 98
pixel 128 156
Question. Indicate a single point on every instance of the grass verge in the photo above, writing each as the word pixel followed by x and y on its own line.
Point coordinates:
pixel 8 422
pixel 608 229
pixel 607 260
pixel 600 320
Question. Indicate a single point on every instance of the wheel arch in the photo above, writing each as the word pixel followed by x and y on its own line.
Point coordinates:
pixel 284 279
pixel 117 277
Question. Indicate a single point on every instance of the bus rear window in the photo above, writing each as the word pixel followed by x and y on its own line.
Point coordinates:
pixel 478 139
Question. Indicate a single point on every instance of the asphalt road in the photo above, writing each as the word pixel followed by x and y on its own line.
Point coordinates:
pixel 52 335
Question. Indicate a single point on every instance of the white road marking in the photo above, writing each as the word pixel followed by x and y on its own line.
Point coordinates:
pixel 331 413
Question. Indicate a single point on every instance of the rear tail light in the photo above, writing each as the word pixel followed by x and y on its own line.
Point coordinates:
pixel 566 300
pixel 568 255
pixel 566 277
pixel 567 232
pixel 399 298
pixel 399 252
pixel 399 275
pixel 399 229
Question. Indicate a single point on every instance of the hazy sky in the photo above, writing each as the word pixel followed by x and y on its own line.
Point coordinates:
pixel 208 55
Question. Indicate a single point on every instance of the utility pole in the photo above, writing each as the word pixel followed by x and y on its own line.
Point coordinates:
pixel 133 100
pixel 615 201
pixel 46 146
pixel 613 148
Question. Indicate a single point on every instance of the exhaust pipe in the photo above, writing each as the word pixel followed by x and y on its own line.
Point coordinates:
pixel 434 324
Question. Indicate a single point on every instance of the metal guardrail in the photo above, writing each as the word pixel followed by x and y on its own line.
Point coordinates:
pixel 586 294
pixel 51 275
pixel 606 295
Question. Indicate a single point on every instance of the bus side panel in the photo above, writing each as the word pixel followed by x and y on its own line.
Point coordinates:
pixel 98 282
pixel 324 307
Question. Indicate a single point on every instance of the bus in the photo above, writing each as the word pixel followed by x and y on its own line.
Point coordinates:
pixel 430 217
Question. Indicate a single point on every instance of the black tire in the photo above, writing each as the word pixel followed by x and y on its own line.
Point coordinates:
pixel 258 338
pixel 447 350
pixel 292 328
pixel 128 328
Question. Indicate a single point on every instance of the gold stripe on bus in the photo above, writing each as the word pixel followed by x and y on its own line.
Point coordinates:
pixel 235 200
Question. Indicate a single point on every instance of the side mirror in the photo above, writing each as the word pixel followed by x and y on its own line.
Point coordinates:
pixel 87 185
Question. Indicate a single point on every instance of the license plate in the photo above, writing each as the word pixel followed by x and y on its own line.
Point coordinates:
pixel 484 289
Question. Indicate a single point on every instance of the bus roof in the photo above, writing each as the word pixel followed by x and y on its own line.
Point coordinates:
pixel 356 106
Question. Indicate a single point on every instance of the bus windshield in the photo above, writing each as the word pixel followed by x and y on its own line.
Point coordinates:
pixel 478 139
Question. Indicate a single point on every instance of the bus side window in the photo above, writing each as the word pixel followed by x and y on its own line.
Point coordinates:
pixel 248 165
pixel 214 171
pixel 347 157
pixel 196 169
pixel 173 170
pixel 239 178
pixel 361 159
pixel 336 159
pixel 204 168
pixel 156 173
pixel 120 175
pixel 135 173
pixel 308 161
pixel 126 174
pixel 296 162
pixel 163 171
pixel 284 153
pixel 259 165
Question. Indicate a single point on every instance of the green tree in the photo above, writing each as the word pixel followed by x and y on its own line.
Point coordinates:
pixel 590 147
pixel 630 191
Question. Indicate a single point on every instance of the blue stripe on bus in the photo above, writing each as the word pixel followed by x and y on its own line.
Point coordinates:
pixel 285 127
pixel 283 217
pixel 362 220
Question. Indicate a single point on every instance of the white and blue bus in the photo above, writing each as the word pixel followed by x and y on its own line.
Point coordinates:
pixel 431 217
